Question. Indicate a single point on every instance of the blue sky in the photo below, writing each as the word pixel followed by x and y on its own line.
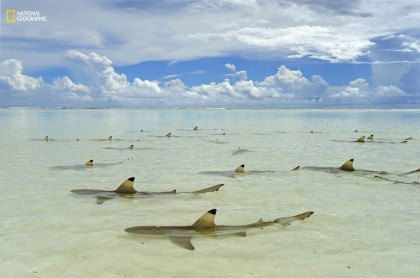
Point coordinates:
pixel 212 53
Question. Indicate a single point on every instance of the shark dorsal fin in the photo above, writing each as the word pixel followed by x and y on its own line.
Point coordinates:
pixel 206 221
pixel 127 186
pixel 260 221
pixel 361 139
pixel 240 169
pixel 89 163
pixel 348 165
pixel 296 168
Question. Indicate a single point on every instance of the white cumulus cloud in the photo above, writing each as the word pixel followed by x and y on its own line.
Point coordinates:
pixel 97 84
pixel 12 76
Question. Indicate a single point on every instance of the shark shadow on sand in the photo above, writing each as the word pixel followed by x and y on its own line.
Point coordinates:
pixel 205 226
pixel 126 189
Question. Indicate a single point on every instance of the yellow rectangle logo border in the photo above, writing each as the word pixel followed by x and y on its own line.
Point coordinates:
pixel 13 12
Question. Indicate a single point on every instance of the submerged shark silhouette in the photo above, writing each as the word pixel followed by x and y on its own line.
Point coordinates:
pixel 88 165
pixel 240 170
pixel 205 226
pixel 126 189
pixel 348 167
pixel 369 139
pixel 46 139
pixel 240 151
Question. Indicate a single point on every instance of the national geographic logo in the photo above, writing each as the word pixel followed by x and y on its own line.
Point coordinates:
pixel 10 15
pixel 24 16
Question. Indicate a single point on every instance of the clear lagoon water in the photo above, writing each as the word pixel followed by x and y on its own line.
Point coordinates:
pixel 363 226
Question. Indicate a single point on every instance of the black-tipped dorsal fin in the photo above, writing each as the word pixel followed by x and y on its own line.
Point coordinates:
pixel 240 169
pixel 348 165
pixel 127 186
pixel 206 221
pixel 296 168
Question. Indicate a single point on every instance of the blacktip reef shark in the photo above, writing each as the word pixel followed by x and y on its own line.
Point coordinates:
pixel 240 151
pixel 88 165
pixel 240 170
pixel 167 135
pixel 126 189
pixel 131 148
pixel 46 139
pixel 369 139
pixel 348 167
pixel 110 139
pixel 205 226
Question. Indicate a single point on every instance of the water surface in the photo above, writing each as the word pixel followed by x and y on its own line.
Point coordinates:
pixel 362 227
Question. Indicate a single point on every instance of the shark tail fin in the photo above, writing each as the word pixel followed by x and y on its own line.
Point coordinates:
pixel 288 220
pixel 209 189
pixel 206 221
pixel 127 186
pixel 412 172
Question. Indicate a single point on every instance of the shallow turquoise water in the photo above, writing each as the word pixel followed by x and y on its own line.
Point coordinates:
pixel 363 226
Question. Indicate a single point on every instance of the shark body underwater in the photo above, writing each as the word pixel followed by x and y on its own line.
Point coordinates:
pixel 126 189
pixel 205 226
pixel 87 166
pixel 240 170
pixel 369 139
pixel 348 167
